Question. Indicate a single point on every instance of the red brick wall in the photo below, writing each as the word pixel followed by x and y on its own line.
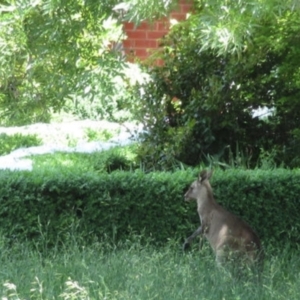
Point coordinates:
pixel 144 38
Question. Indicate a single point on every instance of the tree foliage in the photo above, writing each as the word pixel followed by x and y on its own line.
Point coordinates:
pixel 55 50
pixel 229 26
pixel 219 68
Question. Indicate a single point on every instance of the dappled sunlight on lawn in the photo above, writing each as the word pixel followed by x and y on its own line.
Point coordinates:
pixel 68 138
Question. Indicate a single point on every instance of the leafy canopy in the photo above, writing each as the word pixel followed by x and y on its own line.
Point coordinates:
pixel 55 50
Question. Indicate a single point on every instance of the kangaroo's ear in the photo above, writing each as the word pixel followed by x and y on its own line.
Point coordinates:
pixel 202 176
pixel 205 175
pixel 210 173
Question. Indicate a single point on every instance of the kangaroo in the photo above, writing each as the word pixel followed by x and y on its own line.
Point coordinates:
pixel 228 235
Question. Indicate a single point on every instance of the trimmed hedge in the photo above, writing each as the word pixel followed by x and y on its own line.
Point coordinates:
pixel 49 207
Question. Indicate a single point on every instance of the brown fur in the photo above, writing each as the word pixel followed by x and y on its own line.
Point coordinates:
pixel 227 234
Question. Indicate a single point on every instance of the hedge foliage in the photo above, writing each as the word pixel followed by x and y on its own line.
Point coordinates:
pixel 48 207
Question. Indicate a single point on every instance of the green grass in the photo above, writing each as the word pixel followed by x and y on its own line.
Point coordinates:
pixel 109 160
pixel 56 134
pixel 136 271
pixel 8 143
pixel 100 135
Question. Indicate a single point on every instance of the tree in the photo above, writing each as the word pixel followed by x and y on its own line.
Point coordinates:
pixel 229 26
pixel 59 52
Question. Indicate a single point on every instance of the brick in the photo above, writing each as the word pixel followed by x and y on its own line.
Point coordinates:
pixel 146 37
pixel 129 53
pixel 163 26
pixel 136 35
pixel 185 8
pixel 128 26
pixel 145 43
pixel 129 43
pixel 141 53
pixel 156 34
pixel 178 16
pixel 145 26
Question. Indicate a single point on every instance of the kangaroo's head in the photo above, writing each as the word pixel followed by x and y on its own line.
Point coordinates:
pixel 198 186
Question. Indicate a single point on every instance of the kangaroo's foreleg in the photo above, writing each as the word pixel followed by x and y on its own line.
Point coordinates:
pixel 187 242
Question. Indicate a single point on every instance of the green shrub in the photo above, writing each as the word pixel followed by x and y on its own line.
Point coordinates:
pixel 46 206
pixel 111 160
pixel 202 98
pixel 9 143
